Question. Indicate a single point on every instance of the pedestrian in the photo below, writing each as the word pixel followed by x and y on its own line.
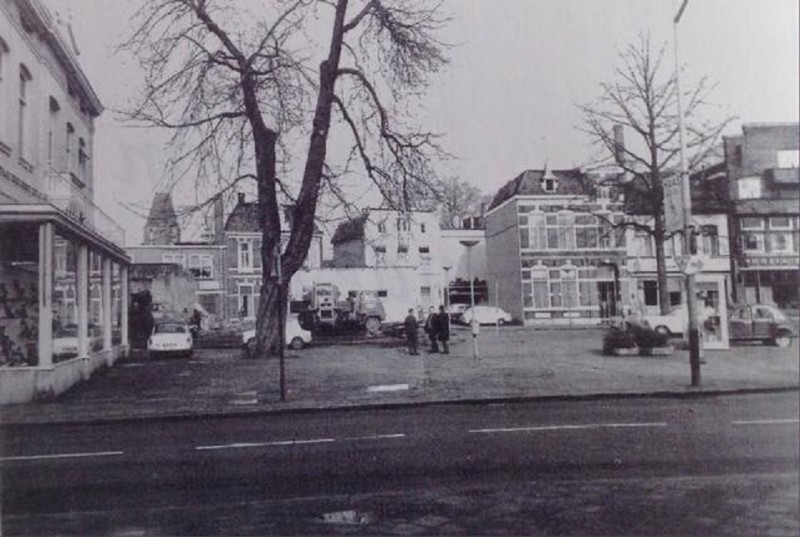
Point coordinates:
pixel 410 325
pixel 431 329
pixel 443 329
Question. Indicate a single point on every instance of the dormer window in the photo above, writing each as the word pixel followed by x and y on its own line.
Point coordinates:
pixel 549 181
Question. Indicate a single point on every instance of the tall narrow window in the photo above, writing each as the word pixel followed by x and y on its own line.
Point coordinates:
pixel 83 159
pixel 52 125
pixel 68 148
pixel 22 119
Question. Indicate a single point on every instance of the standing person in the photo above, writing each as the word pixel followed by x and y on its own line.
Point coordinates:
pixel 410 325
pixel 431 329
pixel 443 329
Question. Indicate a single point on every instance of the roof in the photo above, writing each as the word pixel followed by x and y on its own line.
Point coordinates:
pixel 161 210
pixel 350 230
pixel 529 183
pixel 244 218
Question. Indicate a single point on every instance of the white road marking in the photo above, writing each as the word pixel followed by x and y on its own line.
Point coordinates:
pixel 240 445
pixel 767 422
pixel 62 456
pixel 374 437
pixel 569 427
pixel 388 388
pixel 264 444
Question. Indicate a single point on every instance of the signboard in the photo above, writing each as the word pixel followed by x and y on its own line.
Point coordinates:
pixel 673 203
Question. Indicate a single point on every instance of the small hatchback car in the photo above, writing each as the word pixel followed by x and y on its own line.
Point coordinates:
pixel 170 337
pixel 760 322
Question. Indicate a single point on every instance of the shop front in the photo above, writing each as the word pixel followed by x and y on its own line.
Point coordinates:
pixel 63 303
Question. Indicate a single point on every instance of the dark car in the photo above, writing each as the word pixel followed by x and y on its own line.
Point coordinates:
pixel 760 322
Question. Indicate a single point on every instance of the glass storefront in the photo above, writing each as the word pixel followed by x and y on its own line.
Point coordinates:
pixel 96 313
pixel 116 305
pixel 19 294
pixel 65 298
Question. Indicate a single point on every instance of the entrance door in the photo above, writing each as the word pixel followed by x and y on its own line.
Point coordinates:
pixel 246 301
pixel 608 299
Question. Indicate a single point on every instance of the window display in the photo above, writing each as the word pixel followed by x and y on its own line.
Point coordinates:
pixel 65 298
pixel 19 295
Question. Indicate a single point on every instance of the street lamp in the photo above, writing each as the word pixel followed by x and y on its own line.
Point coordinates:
pixel 474 321
pixel 691 297
pixel 446 269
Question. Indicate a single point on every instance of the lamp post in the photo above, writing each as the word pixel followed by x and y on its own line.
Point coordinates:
pixel 691 296
pixel 474 321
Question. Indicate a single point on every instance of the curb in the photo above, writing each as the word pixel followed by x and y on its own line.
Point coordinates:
pixel 692 393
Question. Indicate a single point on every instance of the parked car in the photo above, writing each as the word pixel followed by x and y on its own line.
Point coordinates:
pixel 65 342
pixel 486 315
pixel 455 311
pixel 170 337
pixel 673 323
pixel 296 336
pixel 760 322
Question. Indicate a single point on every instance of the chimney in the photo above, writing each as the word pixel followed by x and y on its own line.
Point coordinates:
pixel 619 145
pixel 219 215
pixel 241 197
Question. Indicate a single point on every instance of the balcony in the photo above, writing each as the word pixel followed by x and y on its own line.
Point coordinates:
pixel 68 199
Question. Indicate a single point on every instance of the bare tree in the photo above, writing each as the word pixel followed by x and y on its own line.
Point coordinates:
pixel 641 98
pixel 235 91
pixel 457 200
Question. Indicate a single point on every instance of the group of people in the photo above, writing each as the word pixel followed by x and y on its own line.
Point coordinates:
pixel 437 327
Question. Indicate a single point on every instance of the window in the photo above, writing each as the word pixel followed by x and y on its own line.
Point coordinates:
pixel 380 249
pixel 201 266
pixel 780 242
pixel 789 158
pixel 651 293
pixel 424 250
pixel 383 293
pixel 83 159
pixel 381 227
pixel 749 188
pixel 780 222
pixel 24 88
pixel 402 249
pixel 710 236
pixel 245 255
pixel 644 243
pixel 540 294
pixel 52 124
pixel 752 223
pixel 422 228
pixel 586 235
pixel 402 224
pixel 551 226
pixel 68 147
pixel 753 242
pixel 172 258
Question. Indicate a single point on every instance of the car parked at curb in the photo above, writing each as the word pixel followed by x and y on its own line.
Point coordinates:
pixel 760 322
pixel 486 315
pixel 170 337
pixel 455 311
pixel 296 337
pixel 673 323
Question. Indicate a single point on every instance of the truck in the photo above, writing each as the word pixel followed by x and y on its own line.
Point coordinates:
pixel 322 308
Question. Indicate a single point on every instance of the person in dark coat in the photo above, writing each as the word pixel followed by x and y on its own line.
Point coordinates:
pixel 410 325
pixel 430 329
pixel 443 329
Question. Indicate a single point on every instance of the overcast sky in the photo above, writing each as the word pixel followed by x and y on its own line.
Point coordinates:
pixel 507 102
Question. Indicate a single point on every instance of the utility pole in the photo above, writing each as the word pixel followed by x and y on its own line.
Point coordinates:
pixel 688 231
pixel 474 321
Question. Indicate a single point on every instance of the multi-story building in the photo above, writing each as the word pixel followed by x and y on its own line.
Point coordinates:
pixel 243 272
pixel 764 226
pixel 552 253
pixel 63 272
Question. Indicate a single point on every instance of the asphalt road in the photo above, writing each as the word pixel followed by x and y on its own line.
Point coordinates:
pixel 370 472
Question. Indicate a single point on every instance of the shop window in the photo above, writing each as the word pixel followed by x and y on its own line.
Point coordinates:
pixel 19 295
pixel 116 305
pixel 65 293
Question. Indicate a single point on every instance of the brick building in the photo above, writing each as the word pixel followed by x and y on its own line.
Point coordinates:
pixel 764 192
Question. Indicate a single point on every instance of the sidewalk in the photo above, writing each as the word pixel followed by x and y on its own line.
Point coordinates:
pixel 514 363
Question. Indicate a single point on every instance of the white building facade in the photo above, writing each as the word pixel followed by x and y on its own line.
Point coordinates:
pixel 63 272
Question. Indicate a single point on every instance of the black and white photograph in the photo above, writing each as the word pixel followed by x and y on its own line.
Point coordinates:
pixel 400 267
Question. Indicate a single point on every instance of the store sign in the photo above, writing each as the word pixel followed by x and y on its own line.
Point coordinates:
pixel 771 261
pixel 673 203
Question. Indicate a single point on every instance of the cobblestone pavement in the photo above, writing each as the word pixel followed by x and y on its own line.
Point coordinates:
pixel 513 362
pixel 731 505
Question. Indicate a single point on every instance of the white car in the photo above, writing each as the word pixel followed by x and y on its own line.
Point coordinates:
pixel 296 336
pixel 170 337
pixel 486 315
pixel 674 322
pixel 65 342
